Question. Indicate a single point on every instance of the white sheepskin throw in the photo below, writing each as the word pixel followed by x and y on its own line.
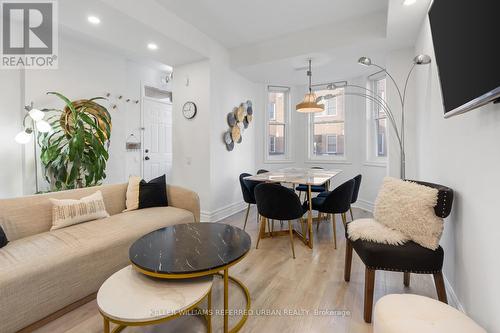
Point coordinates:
pixel 371 230
pixel 409 208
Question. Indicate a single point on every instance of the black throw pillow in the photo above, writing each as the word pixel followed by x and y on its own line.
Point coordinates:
pixel 3 238
pixel 153 193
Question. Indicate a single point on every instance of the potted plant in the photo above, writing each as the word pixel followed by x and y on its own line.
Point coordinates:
pixel 75 152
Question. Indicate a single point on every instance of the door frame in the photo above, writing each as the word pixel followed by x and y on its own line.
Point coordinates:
pixel 144 85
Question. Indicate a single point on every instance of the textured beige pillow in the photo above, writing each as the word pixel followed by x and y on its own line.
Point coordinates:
pixel 132 197
pixel 409 208
pixel 69 211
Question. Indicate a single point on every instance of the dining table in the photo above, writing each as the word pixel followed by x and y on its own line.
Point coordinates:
pixel 305 176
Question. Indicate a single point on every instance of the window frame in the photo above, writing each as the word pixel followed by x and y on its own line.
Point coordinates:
pixel 373 117
pixel 287 156
pixel 311 157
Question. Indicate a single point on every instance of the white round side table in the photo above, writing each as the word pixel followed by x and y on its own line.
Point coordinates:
pixel 129 298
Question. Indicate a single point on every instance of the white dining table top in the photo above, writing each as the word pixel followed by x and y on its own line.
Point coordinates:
pixel 305 176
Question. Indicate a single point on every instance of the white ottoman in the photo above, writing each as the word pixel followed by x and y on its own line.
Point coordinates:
pixel 408 313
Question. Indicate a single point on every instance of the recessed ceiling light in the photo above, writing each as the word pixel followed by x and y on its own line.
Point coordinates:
pixel 409 2
pixel 152 46
pixel 94 19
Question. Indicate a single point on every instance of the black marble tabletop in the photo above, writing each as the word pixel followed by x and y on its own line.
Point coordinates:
pixel 189 248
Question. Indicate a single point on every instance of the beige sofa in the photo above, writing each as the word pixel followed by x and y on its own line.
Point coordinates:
pixel 44 271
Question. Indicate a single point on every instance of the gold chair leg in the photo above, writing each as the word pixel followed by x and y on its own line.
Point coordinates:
pixel 246 217
pixel 334 231
pixel 106 325
pixel 352 217
pixel 344 219
pixel 269 227
pixel 291 238
pixel 261 230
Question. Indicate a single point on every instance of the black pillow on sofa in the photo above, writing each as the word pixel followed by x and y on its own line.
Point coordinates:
pixel 153 193
pixel 3 238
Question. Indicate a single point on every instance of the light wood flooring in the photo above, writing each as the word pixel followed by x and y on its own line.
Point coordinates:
pixel 312 282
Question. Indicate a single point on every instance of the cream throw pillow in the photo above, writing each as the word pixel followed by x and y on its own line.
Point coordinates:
pixel 69 211
pixel 132 197
pixel 409 208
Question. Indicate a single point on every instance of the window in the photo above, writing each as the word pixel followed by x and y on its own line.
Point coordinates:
pixel 277 123
pixel 380 119
pixel 327 137
pixel 332 144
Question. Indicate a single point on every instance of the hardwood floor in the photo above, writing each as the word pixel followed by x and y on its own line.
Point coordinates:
pixel 310 288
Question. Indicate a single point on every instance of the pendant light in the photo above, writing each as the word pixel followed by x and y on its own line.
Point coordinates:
pixel 309 103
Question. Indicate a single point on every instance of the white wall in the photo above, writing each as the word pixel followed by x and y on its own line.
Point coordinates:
pixel 356 142
pixel 11 172
pixel 191 137
pixel 84 71
pixel 201 161
pixel 463 153
pixel 227 90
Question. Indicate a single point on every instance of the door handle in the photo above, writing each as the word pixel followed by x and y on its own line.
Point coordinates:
pixel 146 158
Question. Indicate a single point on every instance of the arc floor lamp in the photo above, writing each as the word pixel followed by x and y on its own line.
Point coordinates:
pixel 373 97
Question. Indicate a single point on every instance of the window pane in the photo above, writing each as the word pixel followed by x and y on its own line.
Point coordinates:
pixel 329 139
pixel 381 131
pixel 334 107
pixel 276 139
pixel 380 90
pixel 276 106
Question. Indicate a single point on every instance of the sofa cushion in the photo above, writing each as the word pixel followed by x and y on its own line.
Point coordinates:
pixel 67 212
pixel 153 193
pixel 3 238
pixel 65 265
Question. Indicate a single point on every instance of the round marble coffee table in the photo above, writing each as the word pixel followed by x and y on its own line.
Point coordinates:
pixel 193 250
pixel 129 298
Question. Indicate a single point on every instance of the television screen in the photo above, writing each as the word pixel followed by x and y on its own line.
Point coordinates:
pixel 466 37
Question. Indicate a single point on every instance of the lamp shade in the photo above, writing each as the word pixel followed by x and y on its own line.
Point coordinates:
pixel 36 114
pixel 23 137
pixel 309 104
pixel 43 126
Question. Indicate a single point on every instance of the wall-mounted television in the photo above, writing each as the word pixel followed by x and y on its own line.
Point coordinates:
pixel 466 38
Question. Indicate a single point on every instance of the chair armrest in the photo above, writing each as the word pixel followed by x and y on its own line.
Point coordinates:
pixel 183 198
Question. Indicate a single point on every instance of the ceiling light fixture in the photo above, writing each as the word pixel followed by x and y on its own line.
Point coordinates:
pixel 409 2
pixel 309 103
pixel 93 19
pixel 152 46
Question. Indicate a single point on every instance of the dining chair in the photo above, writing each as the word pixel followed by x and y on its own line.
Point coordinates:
pixel 314 188
pixel 247 189
pixel 277 202
pixel 338 201
pixel 407 258
pixel 355 193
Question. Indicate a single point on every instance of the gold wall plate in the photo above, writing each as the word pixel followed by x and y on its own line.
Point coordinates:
pixel 249 118
pixel 240 113
pixel 235 133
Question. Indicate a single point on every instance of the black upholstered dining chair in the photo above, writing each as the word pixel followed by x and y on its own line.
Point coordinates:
pixel 314 188
pixel 247 189
pixel 337 201
pixel 357 185
pixel 407 258
pixel 277 202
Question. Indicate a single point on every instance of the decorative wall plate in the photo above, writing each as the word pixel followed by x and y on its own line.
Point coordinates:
pixel 230 146
pixel 241 139
pixel 249 110
pixel 249 118
pixel 231 118
pixel 227 138
pixel 240 113
pixel 235 133
pixel 245 122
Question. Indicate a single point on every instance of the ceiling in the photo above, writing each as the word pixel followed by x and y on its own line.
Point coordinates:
pixel 266 41
pixel 235 23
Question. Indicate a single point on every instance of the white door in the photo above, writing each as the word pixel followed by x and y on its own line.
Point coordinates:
pixel 157 148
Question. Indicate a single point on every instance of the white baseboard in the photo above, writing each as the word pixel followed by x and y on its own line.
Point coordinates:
pixel 452 297
pixel 364 205
pixel 223 212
